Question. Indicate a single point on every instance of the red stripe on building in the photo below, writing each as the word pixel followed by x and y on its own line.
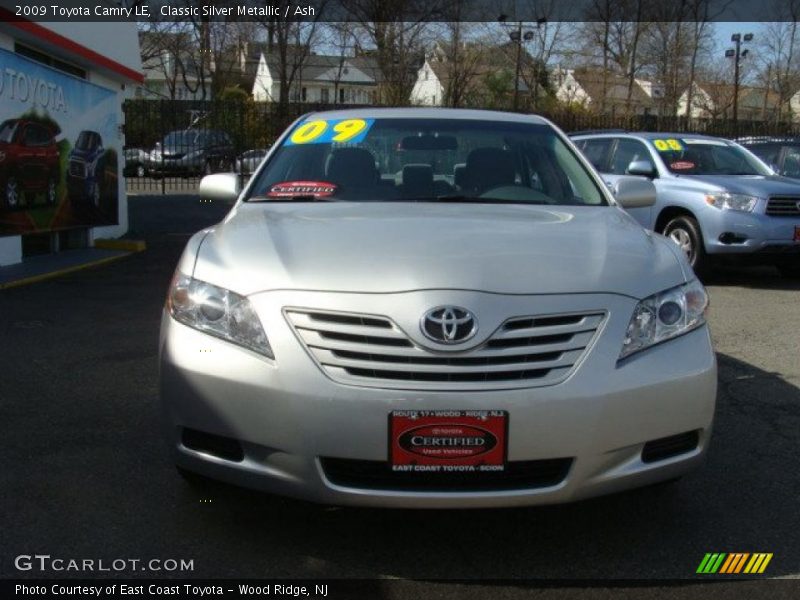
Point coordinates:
pixel 67 44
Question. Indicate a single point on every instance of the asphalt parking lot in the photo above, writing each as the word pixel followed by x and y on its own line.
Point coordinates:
pixel 86 474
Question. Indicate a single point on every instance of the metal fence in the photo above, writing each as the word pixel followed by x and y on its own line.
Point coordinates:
pixel 170 144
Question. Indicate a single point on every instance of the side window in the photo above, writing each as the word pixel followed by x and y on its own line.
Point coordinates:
pixel 596 151
pixel 791 162
pixel 626 152
pixel 767 152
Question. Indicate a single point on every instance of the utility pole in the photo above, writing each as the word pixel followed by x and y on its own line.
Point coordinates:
pixel 737 54
pixel 518 36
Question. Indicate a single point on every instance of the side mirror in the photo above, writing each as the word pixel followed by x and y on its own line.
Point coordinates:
pixel 642 168
pixel 220 186
pixel 632 192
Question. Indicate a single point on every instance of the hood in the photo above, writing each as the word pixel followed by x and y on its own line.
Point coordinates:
pixel 753 185
pixel 394 247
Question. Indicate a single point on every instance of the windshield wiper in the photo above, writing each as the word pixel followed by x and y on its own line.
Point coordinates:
pixel 295 198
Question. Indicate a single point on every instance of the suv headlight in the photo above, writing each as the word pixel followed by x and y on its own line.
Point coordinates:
pixel 728 201
pixel 218 312
pixel 664 316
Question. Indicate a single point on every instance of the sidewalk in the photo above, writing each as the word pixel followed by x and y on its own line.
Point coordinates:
pixel 39 268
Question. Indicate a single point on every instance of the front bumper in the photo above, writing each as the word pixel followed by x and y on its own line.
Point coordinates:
pixel 730 232
pixel 287 414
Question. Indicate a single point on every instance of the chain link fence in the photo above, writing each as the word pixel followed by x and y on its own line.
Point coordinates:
pixel 171 144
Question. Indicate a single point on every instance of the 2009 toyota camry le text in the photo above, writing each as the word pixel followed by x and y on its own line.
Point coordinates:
pixel 434 308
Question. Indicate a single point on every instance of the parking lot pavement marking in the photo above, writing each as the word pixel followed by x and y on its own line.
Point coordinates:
pixel 60 272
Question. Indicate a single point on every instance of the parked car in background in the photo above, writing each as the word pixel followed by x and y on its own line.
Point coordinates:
pixel 135 160
pixel 247 162
pixel 191 152
pixel 86 169
pixel 29 163
pixel 715 199
pixel 506 337
pixel 782 154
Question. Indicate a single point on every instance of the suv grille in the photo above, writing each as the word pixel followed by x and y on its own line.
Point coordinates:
pixel 783 207
pixel 372 351
pixel 77 168
pixel 377 475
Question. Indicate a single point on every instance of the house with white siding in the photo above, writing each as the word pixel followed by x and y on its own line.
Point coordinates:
pixel 320 79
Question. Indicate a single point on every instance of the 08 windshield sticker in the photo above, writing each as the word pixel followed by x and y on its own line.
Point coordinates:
pixel 320 131
pixel 668 145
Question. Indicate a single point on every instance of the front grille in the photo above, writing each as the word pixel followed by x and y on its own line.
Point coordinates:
pixel 778 206
pixel 371 350
pixel 378 475
pixel 77 168
pixel 668 447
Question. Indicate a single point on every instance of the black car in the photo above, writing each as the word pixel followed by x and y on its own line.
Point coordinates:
pixel 135 159
pixel 191 152
pixel 780 153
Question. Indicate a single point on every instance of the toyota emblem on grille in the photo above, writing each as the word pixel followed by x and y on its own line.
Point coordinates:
pixel 449 324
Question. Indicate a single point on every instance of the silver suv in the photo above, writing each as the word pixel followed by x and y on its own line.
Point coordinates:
pixel 714 197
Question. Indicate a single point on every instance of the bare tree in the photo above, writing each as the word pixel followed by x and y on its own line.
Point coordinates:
pixel 396 30
pixel 780 59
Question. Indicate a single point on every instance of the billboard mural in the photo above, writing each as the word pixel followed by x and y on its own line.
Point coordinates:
pixel 59 148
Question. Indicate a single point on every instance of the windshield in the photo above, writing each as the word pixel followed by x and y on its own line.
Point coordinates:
pixel 426 160
pixel 7 131
pixel 86 141
pixel 686 156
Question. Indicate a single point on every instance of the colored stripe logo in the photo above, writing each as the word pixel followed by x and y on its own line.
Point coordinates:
pixel 734 563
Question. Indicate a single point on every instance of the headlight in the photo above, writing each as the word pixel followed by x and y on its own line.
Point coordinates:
pixel 728 201
pixel 664 316
pixel 218 312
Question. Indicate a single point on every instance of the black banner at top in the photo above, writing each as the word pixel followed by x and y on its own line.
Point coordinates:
pixel 399 10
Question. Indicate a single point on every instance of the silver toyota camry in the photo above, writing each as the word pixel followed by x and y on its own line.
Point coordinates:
pixel 434 308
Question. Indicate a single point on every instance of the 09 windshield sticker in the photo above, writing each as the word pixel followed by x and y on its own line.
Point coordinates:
pixel 668 145
pixel 321 131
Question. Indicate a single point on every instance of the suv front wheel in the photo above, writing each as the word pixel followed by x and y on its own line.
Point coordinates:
pixel 685 232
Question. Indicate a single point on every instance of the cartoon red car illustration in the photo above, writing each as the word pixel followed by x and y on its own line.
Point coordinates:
pixel 29 163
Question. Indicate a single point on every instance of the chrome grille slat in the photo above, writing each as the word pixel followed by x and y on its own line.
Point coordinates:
pixel 327 357
pixel 370 350
pixel 781 206
pixel 305 321
pixel 511 330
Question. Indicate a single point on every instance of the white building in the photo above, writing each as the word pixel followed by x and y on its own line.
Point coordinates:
pixel 320 79
pixel 62 85
pixel 429 88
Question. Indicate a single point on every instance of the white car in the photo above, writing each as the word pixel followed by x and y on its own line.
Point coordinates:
pixel 434 308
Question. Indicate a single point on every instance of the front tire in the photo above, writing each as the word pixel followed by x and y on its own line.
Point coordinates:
pixel 685 232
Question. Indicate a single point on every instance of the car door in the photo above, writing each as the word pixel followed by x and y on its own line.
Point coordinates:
pixel 624 152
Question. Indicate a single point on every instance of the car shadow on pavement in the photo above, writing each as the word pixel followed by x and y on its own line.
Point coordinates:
pixel 744 499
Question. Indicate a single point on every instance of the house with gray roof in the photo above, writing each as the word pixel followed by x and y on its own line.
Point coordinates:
pixel 319 79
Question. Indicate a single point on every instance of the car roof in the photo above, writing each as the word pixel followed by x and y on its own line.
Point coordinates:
pixel 766 139
pixel 428 113
pixel 653 135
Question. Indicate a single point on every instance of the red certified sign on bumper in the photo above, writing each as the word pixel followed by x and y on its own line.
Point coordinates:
pixel 447 441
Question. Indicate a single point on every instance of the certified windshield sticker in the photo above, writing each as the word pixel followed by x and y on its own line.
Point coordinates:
pixel 682 165
pixel 319 131
pixel 290 189
pixel 668 145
